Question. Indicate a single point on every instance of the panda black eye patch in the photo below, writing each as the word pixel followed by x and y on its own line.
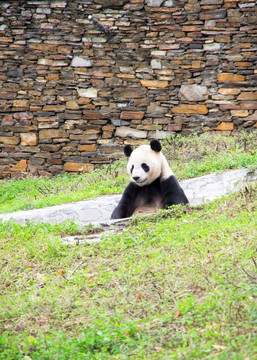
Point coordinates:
pixel 145 167
pixel 132 167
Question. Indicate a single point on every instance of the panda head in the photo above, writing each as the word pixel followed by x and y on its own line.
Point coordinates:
pixel 145 163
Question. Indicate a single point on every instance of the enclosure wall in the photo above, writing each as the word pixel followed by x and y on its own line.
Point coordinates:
pixel 72 93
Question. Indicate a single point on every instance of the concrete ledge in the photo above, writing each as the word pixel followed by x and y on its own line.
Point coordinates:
pixel 210 187
pixel 98 210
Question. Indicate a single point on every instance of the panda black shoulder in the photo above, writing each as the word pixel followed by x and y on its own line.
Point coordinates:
pixel 172 193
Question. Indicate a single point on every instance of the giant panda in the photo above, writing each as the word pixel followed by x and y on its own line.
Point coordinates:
pixel 152 182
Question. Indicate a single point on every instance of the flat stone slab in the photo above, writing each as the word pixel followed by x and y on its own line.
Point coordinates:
pixel 213 186
pixel 98 211
pixel 82 212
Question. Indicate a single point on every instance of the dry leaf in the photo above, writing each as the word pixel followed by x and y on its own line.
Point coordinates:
pixel 158 349
pixel 40 277
pixel 177 314
pixel 139 297
pixel 61 271
pixel 219 347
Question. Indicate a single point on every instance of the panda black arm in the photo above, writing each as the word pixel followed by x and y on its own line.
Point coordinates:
pixel 126 205
pixel 172 193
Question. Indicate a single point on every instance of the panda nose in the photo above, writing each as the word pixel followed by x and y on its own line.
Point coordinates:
pixel 135 178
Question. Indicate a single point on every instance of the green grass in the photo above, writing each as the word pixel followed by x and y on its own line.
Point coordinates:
pixel 181 284
pixel 188 157
pixel 200 155
pixel 31 193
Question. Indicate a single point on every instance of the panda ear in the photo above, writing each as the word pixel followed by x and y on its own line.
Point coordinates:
pixel 128 150
pixel 155 145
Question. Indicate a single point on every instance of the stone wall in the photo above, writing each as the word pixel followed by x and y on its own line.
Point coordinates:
pixel 71 95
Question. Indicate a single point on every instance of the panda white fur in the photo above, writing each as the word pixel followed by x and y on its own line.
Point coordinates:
pixel 152 182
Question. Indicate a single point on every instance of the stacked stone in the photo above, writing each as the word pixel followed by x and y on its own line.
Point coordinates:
pixel 71 95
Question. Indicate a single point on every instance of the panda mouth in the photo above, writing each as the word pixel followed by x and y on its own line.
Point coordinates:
pixel 139 182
